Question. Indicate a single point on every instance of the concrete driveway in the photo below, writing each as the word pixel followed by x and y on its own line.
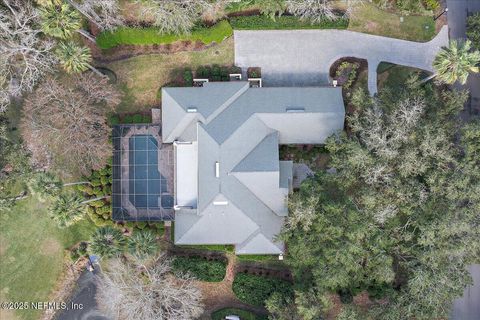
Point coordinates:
pixel 304 57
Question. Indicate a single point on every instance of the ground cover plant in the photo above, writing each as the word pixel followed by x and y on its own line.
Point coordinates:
pixel 150 35
pixel 243 314
pixel 201 268
pixel 255 290
pixel 261 22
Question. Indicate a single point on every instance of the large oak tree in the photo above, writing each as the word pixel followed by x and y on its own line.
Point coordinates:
pixel 399 218
pixel 64 122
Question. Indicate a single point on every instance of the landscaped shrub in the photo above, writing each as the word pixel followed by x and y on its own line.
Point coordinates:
pixel 254 290
pixel 113 120
pixel 261 22
pixel 431 4
pixel 188 77
pixel 200 268
pixel 147 36
pixel 213 73
pixel 347 74
pixel 100 185
pixel 473 30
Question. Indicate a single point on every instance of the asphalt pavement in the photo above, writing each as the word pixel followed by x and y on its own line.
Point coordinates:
pixel 458 11
pixel 84 296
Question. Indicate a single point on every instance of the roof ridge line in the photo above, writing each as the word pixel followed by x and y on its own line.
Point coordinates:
pixel 227 103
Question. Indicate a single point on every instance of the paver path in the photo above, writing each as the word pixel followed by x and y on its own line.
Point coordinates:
pixel 304 57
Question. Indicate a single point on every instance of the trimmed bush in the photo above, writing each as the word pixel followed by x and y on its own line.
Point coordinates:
pixel 188 77
pixel 254 290
pixel 137 118
pixel 200 268
pixel 262 22
pixel 147 36
pixel 113 120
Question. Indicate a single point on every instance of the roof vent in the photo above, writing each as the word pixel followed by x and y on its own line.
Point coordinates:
pixel 217 169
pixel 191 109
pixel 220 203
pixel 295 109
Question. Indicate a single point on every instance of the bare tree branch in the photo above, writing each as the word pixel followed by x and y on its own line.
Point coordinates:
pixel 127 291
pixel 64 123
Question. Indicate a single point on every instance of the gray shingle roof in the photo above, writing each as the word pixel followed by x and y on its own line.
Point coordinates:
pixel 240 128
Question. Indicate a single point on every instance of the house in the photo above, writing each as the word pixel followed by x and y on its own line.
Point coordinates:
pixel 229 185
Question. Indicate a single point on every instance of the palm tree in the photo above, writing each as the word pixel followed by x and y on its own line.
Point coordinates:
pixel 107 242
pixel 142 244
pixel 45 185
pixel 74 58
pixel 59 21
pixel 456 62
pixel 67 209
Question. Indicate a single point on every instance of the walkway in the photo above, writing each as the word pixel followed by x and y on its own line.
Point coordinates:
pixel 304 57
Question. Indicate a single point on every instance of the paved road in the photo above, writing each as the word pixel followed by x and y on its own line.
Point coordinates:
pixel 458 10
pixel 84 295
pixel 468 307
pixel 304 57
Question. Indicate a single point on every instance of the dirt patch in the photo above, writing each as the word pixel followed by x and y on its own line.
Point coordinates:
pixel 50 247
pixel 336 307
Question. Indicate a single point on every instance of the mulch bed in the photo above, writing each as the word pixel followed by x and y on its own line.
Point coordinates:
pixel 283 274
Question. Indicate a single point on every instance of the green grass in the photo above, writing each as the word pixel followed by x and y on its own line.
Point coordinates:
pixel 32 253
pixel 141 77
pixel 261 22
pixel 395 76
pixel 147 36
pixel 200 268
pixel 368 18
pixel 243 314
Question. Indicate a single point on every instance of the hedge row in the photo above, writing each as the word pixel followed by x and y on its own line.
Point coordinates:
pixel 127 119
pixel 254 290
pixel 200 268
pixel 261 22
pixel 150 35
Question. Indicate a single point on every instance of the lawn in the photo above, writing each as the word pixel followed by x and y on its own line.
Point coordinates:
pixel 32 253
pixel 367 18
pixel 395 76
pixel 141 77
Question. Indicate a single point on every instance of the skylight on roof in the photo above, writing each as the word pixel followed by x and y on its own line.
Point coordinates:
pixel 295 109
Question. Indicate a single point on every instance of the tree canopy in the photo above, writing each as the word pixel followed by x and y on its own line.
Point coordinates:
pixel 65 125
pixel 400 213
